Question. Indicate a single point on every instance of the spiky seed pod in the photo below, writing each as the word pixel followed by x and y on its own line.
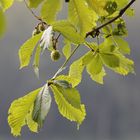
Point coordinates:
pixel 55 55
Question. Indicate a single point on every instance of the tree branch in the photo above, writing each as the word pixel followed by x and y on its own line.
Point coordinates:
pixel 122 11
pixel 96 31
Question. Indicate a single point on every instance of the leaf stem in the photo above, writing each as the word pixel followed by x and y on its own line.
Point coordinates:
pixel 65 63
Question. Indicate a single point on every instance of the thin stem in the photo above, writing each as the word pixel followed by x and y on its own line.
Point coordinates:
pixel 122 11
pixel 37 17
pixel 65 63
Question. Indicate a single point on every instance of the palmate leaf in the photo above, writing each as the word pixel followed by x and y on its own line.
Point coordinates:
pixel 5 4
pixel 42 106
pixel 20 113
pixel 26 50
pixel 94 66
pixel 113 58
pixel 50 10
pixel 81 16
pixel 69 103
pixel 68 31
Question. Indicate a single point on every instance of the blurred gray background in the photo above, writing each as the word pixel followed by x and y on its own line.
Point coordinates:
pixel 113 110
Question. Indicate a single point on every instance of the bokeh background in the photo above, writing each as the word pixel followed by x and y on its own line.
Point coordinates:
pixel 113 109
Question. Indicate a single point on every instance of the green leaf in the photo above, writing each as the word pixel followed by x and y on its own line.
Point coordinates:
pixel 98 6
pixel 5 4
pixel 32 125
pixel 20 111
pixel 109 59
pixel 108 46
pixel 37 61
pixel 130 12
pixel 67 49
pixel 122 44
pixel 82 16
pixel 50 10
pixel 76 70
pixel 69 103
pixel 42 106
pixel 26 50
pixel 126 66
pixel 35 3
pixel 63 83
pixel 95 65
pixel 68 31
pixel 2 23
pixel 72 80
pixel 121 4
pixel 99 78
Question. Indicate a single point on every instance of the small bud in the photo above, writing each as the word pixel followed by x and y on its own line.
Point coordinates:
pixel 55 55
pixel 41 27
pixel 35 32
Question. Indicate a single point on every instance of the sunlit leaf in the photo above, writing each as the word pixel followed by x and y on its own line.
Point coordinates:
pixel 69 103
pixel 20 111
pixel 26 50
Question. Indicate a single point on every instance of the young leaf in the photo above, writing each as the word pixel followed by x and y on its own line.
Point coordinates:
pixel 95 65
pixel 126 65
pixel 32 125
pixel 68 31
pixel 50 10
pixel 35 3
pixel 37 61
pixel 67 49
pixel 19 112
pixel 99 78
pixel 26 50
pixel 68 78
pixel 122 44
pixel 69 103
pixel 109 59
pixel 81 16
pixel 98 6
pixel 42 106
pixel 76 70
pixel 62 83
